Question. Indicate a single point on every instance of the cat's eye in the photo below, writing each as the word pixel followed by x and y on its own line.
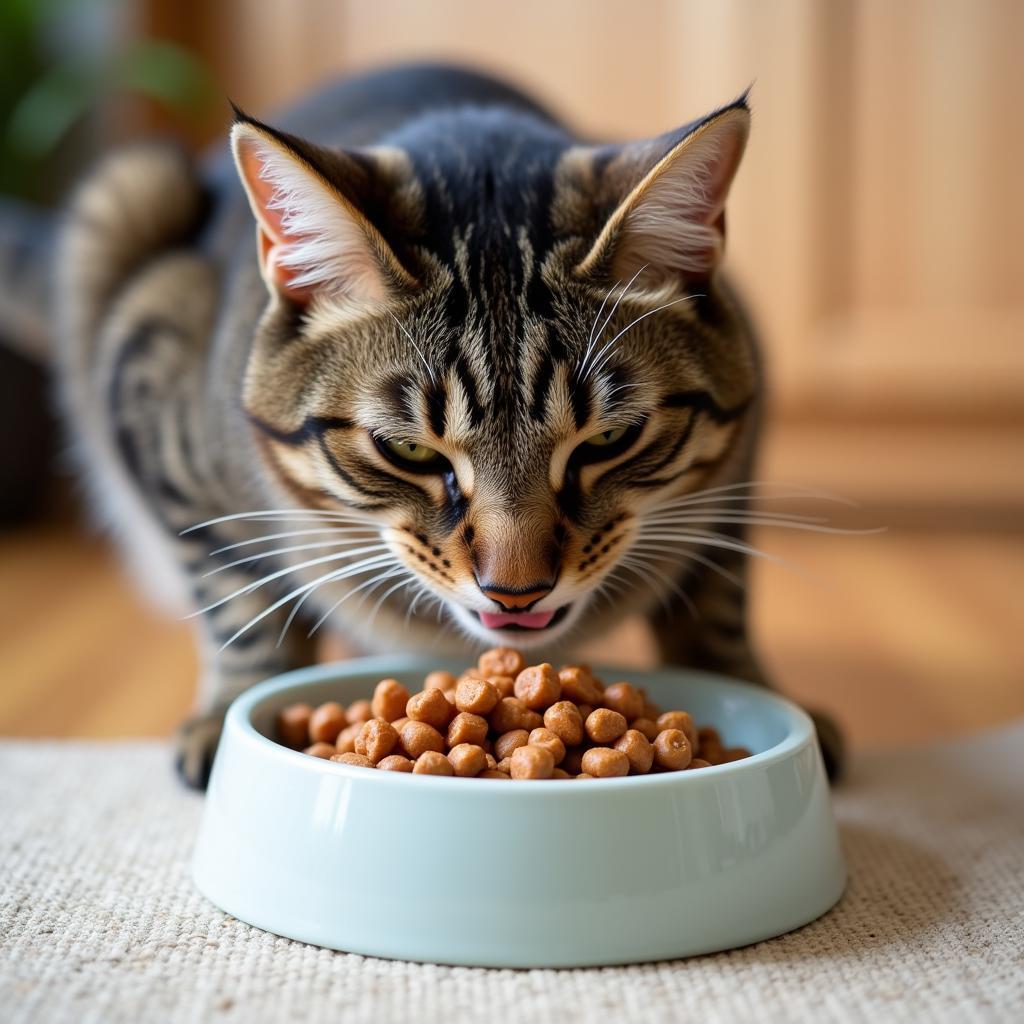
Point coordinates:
pixel 606 437
pixel 412 456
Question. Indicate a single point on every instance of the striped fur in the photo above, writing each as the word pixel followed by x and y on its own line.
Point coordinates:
pixel 201 382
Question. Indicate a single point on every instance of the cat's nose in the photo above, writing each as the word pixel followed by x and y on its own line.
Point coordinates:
pixel 516 599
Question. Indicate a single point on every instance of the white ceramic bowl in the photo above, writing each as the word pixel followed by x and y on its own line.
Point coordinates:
pixel 517 874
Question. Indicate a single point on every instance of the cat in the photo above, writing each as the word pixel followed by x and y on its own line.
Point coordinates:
pixel 417 363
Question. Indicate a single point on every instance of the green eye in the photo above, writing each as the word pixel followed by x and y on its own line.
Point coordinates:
pixel 412 451
pixel 606 437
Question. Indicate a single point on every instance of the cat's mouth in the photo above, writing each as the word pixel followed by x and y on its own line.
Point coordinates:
pixel 521 621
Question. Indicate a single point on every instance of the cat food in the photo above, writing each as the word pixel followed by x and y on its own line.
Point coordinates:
pixel 504 719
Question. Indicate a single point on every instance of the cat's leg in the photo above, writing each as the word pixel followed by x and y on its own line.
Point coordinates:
pixel 714 635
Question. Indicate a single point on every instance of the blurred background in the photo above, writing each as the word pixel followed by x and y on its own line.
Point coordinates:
pixel 875 230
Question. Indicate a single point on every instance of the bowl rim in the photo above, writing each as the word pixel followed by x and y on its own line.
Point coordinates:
pixel 239 721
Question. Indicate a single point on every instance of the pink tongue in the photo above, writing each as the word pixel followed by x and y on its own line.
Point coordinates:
pixel 531 620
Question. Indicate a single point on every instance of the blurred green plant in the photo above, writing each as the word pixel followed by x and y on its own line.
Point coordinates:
pixel 60 61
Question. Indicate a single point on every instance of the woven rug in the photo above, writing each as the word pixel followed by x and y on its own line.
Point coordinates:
pixel 99 920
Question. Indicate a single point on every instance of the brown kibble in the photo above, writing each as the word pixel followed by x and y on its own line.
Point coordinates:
pixel 585 710
pixel 563 719
pixel 346 741
pixel 584 775
pixel 467 728
pixel 709 745
pixel 504 765
pixel 377 738
pixel 501 661
pixel 358 760
pixel 439 681
pixel 604 725
pixel 511 713
pixel 430 762
pixel 637 747
pixel 467 759
pixel 505 685
pixel 579 685
pixel 418 737
pixel 430 706
pixel 325 750
pixel 399 722
pixel 672 750
pixel 358 712
pixel 293 725
pixel 573 760
pixel 326 722
pixel 549 741
pixel 698 763
pixel 538 686
pixel 558 773
pixel 605 763
pixel 532 763
pixel 507 742
pixel 491 762
pixel 493 773
pixel 395 763
pixel 389 700
pixel 477 696
pixel 647 726
pixel 624 698
pixel 735 754
pixel 681 720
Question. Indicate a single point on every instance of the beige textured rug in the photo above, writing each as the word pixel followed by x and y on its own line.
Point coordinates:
pixel 99 920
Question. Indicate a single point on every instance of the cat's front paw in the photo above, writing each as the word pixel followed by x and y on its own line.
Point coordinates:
pixel 195 744
pixel 832 743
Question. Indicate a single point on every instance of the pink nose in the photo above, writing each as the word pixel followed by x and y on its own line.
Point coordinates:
pixel 515 600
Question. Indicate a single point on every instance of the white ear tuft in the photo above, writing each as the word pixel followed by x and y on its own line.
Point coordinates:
pixel 672 220
pixel 312 240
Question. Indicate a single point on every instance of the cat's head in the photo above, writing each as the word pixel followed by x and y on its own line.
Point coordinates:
pixel 499 345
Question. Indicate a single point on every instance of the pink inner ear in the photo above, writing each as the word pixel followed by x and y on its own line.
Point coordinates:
pixel 282 277
pixel 262 192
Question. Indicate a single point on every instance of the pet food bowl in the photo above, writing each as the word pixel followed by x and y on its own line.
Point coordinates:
pixel 521 874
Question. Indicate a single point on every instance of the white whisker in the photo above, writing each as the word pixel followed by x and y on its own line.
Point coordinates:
pixel 273 514
pixel 371 583
pixel 583 372
pixel 291 533
pixel 429 368
pixel 287 550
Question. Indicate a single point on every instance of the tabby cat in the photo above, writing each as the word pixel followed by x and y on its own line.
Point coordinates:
pixel 421 366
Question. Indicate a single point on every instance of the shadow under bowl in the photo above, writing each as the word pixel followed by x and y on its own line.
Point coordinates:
pixel 496 874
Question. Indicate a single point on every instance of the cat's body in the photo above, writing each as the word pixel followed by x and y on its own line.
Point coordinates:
pixel 478 351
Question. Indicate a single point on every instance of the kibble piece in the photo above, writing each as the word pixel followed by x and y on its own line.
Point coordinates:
pixel 395 763
pixel 584 775
pixel 439 681
pixel 430 762
pixel 647 726
pixel 698 762
pixel 558 773
pixel 563 719
pixel 358 712
pixel 493 773
pixel 510 741
pixel 477 696
pixel 573 761
pixel 467 728
pixel 709 744
pixel 579 685
pixel 735 754
pixel 389 700
pixel 325 750
pixel 505 685
pixel 501 661
pixel 681 720
pixel 637 747
pixel 504 765
pixel 377 738
pixel 399 722
pixel 672 750
pixel 359 760
pixel 532 763
pixel 511 713
pixel 584 710
pixel 491 762
pixel 346 741
pixel 467 759
pixel 430 706
pixel 549 741
pixel 624 698
pixel 605 763
pixel 418 737
pixel 604 725
pixel 293 725
pixel 538 686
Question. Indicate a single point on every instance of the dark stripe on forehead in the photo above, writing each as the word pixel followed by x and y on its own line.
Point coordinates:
pixel 702 401
pixel 437 406
pixel 581 404
pixel 465 375
pixel 541 384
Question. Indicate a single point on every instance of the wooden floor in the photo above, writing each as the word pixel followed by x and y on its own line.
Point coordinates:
pixel 906 636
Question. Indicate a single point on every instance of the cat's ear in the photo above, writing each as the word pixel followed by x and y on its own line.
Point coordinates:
pixel 313 239
pixel 670 196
